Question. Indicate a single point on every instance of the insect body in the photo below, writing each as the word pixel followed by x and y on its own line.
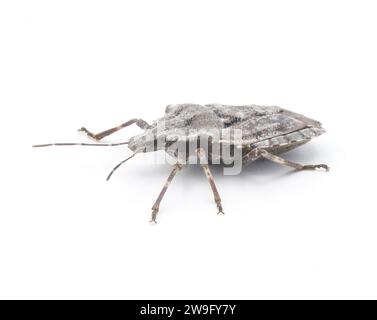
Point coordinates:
pixel 263 132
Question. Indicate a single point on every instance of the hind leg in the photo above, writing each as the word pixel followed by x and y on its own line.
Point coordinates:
pixel 265 154
pixel 98 136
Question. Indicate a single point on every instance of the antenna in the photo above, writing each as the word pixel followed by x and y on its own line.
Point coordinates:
pixel 118 165
pixel 80 144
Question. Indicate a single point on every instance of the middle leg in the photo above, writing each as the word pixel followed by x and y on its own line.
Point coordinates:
pixel 211 180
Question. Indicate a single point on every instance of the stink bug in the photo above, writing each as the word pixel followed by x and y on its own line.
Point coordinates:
pixel 248 132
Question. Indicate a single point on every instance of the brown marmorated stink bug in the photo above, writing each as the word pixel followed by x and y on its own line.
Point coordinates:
pixel 216 134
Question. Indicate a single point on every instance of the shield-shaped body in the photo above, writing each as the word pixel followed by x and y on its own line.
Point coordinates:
pixel 244 128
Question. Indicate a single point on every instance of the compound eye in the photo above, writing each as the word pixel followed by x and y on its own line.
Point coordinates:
pixel 173 109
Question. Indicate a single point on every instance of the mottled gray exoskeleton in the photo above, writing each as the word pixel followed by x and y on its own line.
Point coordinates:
pixel 265 131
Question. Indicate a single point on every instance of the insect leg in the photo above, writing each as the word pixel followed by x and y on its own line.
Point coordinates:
pixel 156 205
pixel 211 180
pixel 139 122
pixel 265 154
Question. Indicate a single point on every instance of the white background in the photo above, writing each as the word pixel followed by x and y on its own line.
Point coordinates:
pixel 67 233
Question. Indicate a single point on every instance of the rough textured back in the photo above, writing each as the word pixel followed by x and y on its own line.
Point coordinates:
pixel 258 123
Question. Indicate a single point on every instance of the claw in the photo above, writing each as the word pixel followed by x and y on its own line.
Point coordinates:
pixel 153 217
pixel 88 133
pixel 220 208
pixel 316 166
pixel 82 129
pixel 321 166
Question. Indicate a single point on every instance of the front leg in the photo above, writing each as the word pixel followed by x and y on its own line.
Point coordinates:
pixel 99 136
pixel 156 206
pixel 267 155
